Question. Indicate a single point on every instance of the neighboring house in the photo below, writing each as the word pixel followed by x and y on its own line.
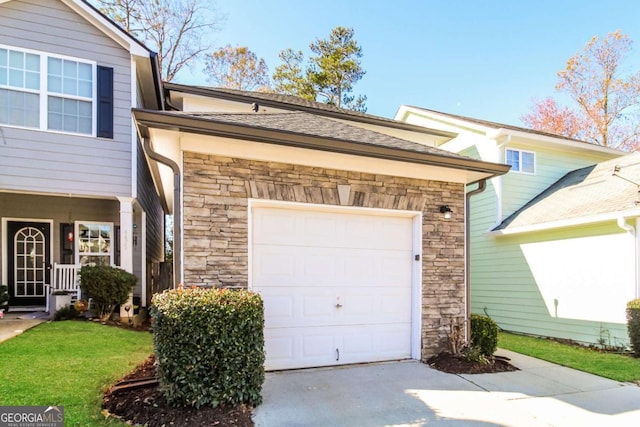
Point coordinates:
pixel 75 187
pixel 552 250
pixel 336 218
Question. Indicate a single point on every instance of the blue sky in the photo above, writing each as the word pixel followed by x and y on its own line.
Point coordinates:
pixel 482 59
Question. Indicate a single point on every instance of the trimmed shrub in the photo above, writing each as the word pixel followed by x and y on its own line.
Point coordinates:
pixel 209 345
pixel 107 287
pixel 484 334
pixel 633 325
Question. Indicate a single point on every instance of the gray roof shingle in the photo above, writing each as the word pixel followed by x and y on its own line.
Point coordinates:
pixel 607 187
pixel 303 123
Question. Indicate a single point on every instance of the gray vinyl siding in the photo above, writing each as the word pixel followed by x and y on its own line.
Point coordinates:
pixel 150 202
pixel 33 160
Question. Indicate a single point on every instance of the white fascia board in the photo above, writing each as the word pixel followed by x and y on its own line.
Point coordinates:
pixel 496 133
pixel 573 222
pixel 545 139
pixel 104 25
pixel 258 151
pixel 405 110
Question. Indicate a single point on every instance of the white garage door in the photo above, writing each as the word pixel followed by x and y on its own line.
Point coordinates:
pixel 336 286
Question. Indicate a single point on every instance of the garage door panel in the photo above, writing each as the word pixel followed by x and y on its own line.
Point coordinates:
pixel 337 287
pixel 291 348
pixel 274 265
pixel 309 228
pixel 287 306
pixel 282 265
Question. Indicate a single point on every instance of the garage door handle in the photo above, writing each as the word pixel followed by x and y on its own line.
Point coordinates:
pixel 338 305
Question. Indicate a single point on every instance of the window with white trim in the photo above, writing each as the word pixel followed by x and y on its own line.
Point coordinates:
pixel 55 93
pixel 95 243
pixel 521 161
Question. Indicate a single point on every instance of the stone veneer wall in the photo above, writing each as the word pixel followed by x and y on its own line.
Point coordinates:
pixel 216 193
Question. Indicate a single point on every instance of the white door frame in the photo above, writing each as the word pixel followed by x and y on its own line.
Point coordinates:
pixel 416 277
pixel 5 221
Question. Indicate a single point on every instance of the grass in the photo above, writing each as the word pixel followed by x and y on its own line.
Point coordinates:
pixel 69 363
pixel 609 365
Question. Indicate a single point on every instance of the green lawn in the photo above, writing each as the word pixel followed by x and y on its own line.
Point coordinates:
pixel 69 363
pixel 609 365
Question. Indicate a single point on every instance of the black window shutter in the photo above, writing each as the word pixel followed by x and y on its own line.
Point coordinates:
pixel 105 102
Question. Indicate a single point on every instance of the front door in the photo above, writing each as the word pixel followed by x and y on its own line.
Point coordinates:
pixel 28 261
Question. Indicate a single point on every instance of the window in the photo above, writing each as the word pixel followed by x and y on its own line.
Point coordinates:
pixel 521 161
pixel 70 99
pixel 95 243
pixel 48 92
pixel 19 88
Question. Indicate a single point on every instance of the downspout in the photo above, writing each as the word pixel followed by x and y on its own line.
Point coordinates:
pixel 177 214
pixel 482 185
pixel 622 223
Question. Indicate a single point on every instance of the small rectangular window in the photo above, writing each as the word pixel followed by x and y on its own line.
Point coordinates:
pixel 521 161
pixel 95 243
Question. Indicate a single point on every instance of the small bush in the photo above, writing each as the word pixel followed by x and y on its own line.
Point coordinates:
pixel 209 345
pixel 474 354
pixel 107 287
pixel 484 334
pixel 633 325
pixel 66 313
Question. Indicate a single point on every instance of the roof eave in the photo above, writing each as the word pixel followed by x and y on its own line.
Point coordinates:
pixel 501 132
pixel 498 130
pixel 369 119
pixel 565 223
pixel 245 132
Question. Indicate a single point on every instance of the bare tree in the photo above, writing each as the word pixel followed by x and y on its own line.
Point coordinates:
pixel 237 68
pixel 174 28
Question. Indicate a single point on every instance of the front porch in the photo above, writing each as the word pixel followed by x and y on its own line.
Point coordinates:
pixel 45 239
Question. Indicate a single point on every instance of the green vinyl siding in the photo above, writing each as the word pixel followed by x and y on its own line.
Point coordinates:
pixel 551 165
pixel 504 287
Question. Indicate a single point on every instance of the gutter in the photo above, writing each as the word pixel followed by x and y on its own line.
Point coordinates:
pixel 177 214
pixel 157 80
pixel 197 125
pixel 482 185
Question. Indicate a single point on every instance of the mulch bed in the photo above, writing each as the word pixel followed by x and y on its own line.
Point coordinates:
pixel 147 407
pixel 458 364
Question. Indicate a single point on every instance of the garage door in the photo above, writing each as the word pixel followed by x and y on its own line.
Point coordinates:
pixel 336 286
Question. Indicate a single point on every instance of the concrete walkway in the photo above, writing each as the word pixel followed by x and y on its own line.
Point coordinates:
pixel 15 323
pixel 412 394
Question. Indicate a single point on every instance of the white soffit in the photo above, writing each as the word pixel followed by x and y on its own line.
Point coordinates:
pixel 228 147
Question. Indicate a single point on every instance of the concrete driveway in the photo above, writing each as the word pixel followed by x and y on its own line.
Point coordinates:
pixel 412 394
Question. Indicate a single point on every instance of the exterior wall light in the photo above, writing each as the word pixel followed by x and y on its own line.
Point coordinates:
pixel 446 210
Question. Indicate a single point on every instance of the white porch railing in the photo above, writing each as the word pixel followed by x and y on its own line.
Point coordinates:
pixel 64 277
